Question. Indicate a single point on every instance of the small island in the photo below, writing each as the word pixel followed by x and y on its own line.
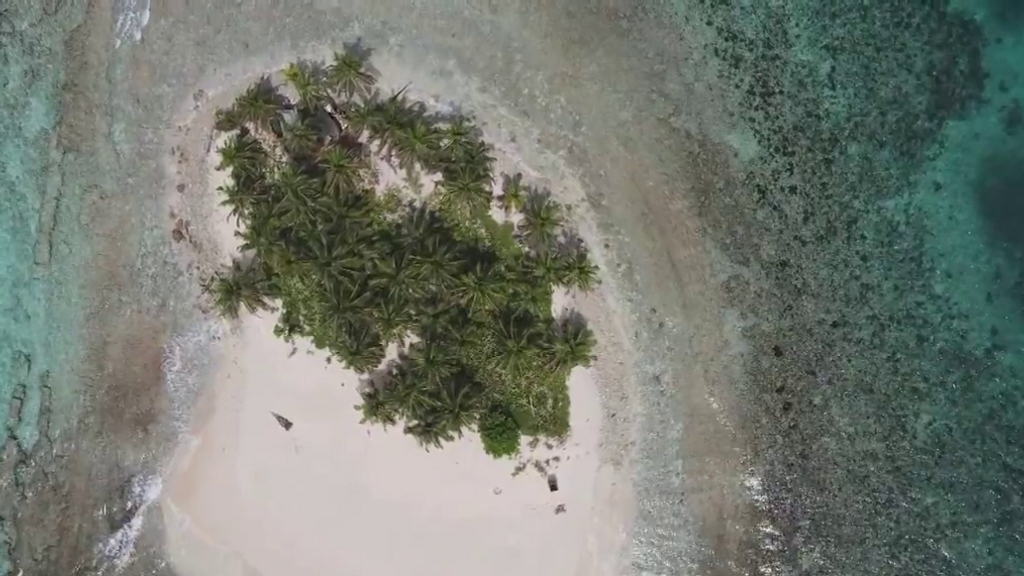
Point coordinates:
pixel 456 281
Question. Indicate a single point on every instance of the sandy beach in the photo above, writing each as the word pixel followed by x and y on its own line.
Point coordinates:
pixel 244 496
pixel 332 496
pixel 163 443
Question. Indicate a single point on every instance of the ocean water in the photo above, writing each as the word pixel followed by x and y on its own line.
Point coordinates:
pixel 37 297
pixel 878 215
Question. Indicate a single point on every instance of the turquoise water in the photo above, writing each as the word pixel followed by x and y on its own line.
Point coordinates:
pixel 882 220
pixel 38 314
pixel 879 212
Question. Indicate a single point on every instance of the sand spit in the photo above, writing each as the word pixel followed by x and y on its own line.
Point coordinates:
pixel 244 496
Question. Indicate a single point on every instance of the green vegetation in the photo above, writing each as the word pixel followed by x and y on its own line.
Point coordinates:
pixel 467 298
pixel 499 432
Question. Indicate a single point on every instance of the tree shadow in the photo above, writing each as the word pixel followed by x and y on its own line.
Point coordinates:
pixel 267 90
pixel 363 53
pixel 315 68
pixel 357 48
pixel 538 195
pixel 570 242
pixel 571 319
pixel 381 377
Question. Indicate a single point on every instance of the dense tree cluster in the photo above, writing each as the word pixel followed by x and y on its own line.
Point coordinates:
pixel 467 298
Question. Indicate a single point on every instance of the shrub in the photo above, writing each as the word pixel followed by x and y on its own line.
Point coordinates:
pixel 499 432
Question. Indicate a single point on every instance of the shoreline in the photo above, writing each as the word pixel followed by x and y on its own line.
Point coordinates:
pixel 602 550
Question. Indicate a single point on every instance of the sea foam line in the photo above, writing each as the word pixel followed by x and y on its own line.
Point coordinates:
pixel 131 19
pixel 186 355
pixel 119 548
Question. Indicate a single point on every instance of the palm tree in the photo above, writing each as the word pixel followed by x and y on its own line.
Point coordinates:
pixel 343 167
pixel 513 192
pixel 419 143
pixel 307 84
pixel 296 195
pixel 459 133
pixel 575 270
pixel 259 235
pixel 411 396
pixel 541 221
pixel 377 409
pixel 260 105
pixel 466 188
pixel 300 139
pixel 429 432
pixel 431 361
pixel 434 315
pixel 393 316
pixel 482 289
pixel 572 345
pixel 527 294
pixel 234 199
pixel 436 264
pixel 345 302
pixel 421 222
pixel 359 116
pixel 476 155
pixel 227 120
pixel 516 341
pixel 391 120
pixel 243 155
pixel 546 266
pixel 364 350
pixel 461 402
pixel 241 286
pixel 348 75
pixel 395 274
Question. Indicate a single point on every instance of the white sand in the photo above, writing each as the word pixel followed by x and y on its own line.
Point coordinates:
pixel 332 496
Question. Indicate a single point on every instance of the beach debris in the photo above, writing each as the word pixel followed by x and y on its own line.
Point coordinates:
pixel 520 467
pixel 552 483
pixel 181 231
pixel 497 491
pixel 560 509
pixel 284 422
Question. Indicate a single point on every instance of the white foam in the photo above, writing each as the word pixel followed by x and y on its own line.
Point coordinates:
pixel 132 17
pixel 118 550
pixel 185 356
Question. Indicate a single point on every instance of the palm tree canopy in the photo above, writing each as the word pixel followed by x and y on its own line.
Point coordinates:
pixel 240 286
pixel 572 345
pixel 348 76
pixel 308 83
pixel 542 219
pixel 467 300
pixel 513 192
pixel 260 105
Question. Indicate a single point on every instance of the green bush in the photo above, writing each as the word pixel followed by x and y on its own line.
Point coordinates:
pixel 499 432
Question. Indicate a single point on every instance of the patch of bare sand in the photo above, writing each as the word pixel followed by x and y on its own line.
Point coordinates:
pixel 331 496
